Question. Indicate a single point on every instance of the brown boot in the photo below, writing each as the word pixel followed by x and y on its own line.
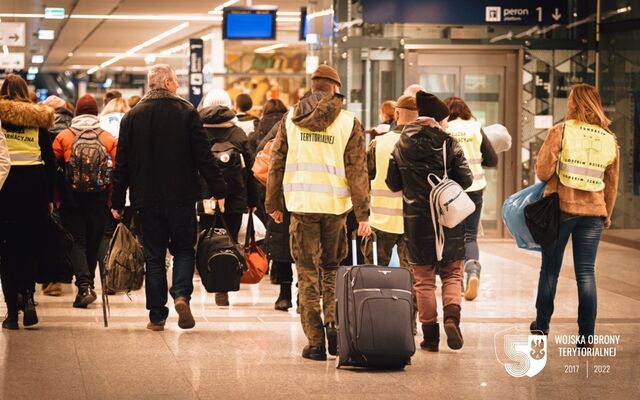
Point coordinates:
pixel 156 326
pixel 431 334
pixel 185 318
pixel 222 299
pixel 452 326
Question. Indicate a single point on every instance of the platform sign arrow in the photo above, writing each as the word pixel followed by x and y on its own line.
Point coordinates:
pixel 556 15
pixel 12 34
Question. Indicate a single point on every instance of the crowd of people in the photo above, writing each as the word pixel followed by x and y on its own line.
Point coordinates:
pixel 164 155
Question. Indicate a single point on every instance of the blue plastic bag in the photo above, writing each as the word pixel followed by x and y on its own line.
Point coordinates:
pixel 395 260
pixel 513 215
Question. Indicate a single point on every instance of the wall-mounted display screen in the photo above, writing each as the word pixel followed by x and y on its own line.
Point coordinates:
pixel 303 24
pixel 249 23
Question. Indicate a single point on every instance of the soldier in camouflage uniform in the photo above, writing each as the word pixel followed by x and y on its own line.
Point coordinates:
pixel 319 168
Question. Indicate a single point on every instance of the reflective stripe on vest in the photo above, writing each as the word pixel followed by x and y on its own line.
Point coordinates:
pixel 587 151
pixel 386 206
pixel 314 177
pixel 469 135
pixel 24 148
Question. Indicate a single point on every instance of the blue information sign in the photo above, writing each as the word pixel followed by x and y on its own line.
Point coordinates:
pixel 467 12
pixel 196 53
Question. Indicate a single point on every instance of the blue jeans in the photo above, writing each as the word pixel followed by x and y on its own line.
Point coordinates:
pixel 173 228
pixel 471 225
pixel 585 233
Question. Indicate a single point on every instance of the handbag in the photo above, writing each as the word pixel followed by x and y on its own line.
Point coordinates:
pixel 513 215
pixel 260 167
pixel 219 259
pixel 255 258
pixel 450 204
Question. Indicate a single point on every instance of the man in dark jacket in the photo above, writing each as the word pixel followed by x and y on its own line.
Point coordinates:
pixel 161 149
pixel 319 171
pixel 417 154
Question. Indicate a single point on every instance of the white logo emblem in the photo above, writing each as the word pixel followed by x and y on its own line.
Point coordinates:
pixel 224 157
pixel 493 14
pixel 527 354
pixel 384 272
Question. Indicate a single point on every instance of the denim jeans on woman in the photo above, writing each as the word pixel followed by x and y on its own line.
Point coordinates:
pixel 585 233
pixel 173 228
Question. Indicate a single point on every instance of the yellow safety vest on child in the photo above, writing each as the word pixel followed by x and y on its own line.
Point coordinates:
pixel 315 180
pixel 24 148
pixel 386 206
pixel 468 133
pixel 587 151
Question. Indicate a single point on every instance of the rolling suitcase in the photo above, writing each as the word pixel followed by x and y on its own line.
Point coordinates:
pixel 374 307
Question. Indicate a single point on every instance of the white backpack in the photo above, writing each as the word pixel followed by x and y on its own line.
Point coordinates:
pixel 450 204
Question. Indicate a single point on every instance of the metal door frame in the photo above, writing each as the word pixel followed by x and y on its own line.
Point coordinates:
pixel 512 87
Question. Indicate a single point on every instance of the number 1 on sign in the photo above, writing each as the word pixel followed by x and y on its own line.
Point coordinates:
pixel 539 10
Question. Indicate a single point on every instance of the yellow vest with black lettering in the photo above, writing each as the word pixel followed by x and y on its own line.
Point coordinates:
pixel 468 134
pixel 24 148
pixel 386 206
pixel 314 177
pixel 587 150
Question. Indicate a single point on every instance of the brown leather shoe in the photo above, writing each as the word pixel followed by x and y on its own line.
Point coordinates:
pixel 185 318
pixel 156 326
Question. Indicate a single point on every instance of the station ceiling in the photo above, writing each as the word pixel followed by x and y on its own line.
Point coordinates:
pixel 95 31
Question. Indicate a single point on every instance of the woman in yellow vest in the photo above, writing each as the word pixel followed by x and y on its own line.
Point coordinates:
pixel 5 158
pixel 478 151
pixel 26 197
pixel 579 160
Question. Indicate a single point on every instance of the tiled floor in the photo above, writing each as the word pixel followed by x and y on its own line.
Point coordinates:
pixel 251 351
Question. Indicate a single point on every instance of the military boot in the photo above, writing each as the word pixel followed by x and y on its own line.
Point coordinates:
pixel 452 326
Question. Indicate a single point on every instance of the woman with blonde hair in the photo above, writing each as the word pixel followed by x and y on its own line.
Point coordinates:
pixel 579 160
pixel 112 114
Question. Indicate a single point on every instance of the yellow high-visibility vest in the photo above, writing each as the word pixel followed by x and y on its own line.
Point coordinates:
pixel 587 151
pixel 469 135
pixel 24 148
pixel 386 206
pixel 315 180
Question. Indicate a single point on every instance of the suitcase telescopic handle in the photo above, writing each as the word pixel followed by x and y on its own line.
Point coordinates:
pixel 354 248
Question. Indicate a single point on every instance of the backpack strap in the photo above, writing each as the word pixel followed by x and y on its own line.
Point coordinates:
pixel 444 158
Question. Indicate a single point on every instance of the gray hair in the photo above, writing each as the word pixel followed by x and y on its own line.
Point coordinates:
pixel 158 74
pixel 412 90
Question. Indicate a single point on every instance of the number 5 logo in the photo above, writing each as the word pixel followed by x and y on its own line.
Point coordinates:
pixel 525 354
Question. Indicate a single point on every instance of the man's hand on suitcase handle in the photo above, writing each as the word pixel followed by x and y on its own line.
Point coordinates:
pixel 277 216
pixel 364 229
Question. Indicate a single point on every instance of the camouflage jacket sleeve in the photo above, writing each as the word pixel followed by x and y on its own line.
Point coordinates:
pixel 371 160
pixel 355 162
pixel 274 200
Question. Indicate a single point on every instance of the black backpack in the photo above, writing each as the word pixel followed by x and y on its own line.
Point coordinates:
pixel 220 261
pixel 90 167
pixel 228 157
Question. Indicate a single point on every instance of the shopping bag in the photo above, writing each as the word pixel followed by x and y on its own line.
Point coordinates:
pixel 513 215
pixel 259 229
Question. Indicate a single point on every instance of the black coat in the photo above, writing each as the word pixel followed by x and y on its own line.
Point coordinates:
pixel 264 126
pixel 418 153
pixel 161 148
pixel 241 185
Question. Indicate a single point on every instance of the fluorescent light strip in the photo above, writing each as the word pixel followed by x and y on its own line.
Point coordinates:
pixel 223 5
pixel 267 49
pixel 5 49
pixel 183 46
pixel 139 47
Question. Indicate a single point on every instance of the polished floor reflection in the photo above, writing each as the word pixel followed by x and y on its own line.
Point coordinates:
pixel 249 350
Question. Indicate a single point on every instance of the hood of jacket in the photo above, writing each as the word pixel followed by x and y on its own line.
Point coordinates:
pixel 419 141
pixel 217 117
pixel 31 115
pixel 316 111
pixel 162 94
pixel 85 122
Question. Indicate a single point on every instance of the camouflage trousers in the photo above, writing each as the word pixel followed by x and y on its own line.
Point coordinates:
pixel 386 242
pixel 318 244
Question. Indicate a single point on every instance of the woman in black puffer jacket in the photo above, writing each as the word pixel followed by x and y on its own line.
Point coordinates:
pixel 230 147
pixel 417 154
pixel 277 245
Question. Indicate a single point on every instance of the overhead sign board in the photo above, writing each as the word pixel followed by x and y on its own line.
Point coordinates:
pixel 54 13
pixel 12 61
pixel 12 34
pixel 467 12
pixel 196 78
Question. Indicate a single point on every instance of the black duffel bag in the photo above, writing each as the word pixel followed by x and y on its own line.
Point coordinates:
pixel 54 262
pixel 220 261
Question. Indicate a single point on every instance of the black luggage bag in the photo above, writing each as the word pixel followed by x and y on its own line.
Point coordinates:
pixel 374 307
pixel 220 261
